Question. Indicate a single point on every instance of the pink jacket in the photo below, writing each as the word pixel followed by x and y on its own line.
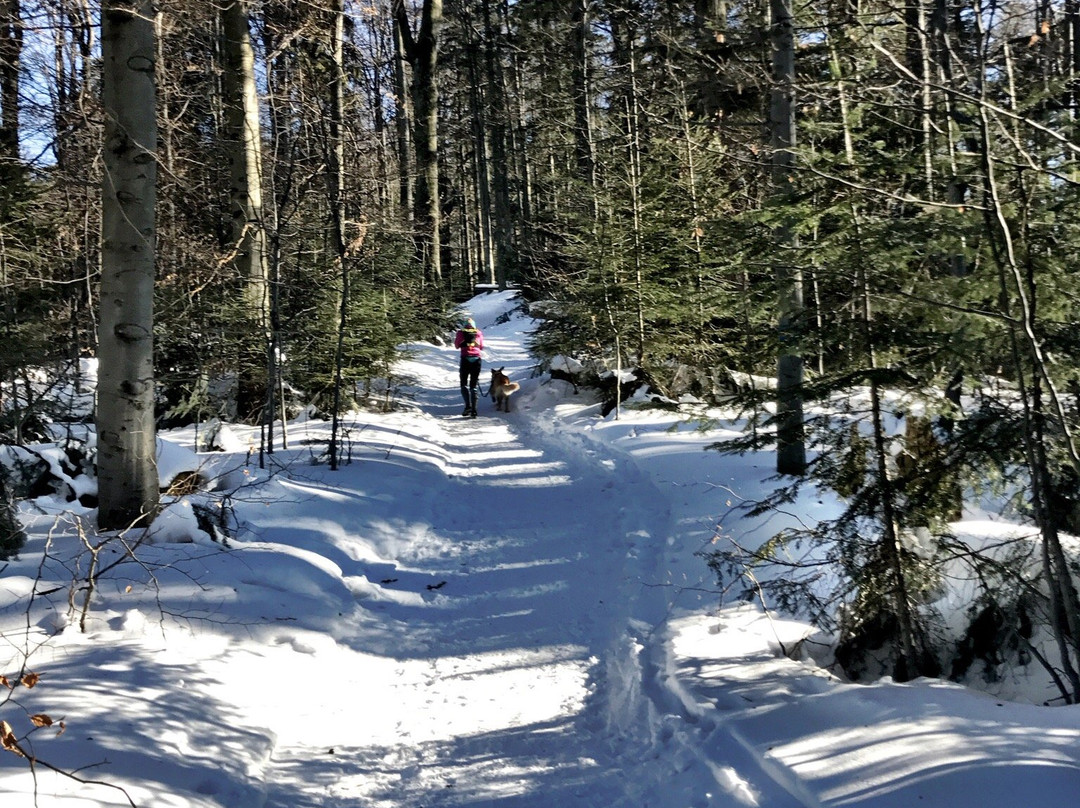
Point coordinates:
pixel 470 341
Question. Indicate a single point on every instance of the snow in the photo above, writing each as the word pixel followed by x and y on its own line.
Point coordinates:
pixel 502 611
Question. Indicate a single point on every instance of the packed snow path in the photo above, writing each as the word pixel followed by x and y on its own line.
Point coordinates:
pixel 515 628
pixel 511 629
pixel 503 622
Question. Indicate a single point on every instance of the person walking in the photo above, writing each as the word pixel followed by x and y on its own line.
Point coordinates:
pixel 470 341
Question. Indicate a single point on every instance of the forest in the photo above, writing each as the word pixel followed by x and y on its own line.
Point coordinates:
pixel 240 208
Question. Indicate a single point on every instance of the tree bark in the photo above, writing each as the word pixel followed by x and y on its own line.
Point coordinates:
pixel 496 82
pixel 481 174
pixel 244 134
pixel 520 148
pixel 423 55
pixel 335 184
pixel 580 75
pixel 403 117
pixel 623 34
pixel 127 472
pixel 11 46
pixel 790 449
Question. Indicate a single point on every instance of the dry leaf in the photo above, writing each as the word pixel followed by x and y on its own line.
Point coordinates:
pixel 1046 26
pixel 63 726
pixel 41 720
pixel 7 739
pixel 127 589
pixel 5 682
pixel 30 679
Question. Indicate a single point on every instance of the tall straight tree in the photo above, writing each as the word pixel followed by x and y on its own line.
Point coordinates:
pixel 585 151
pixel 403 114
pixel 249 242
pixel 127 472
pixel 790 449
pixel 496 82
pixel 422 53
pixel 335 185
pixel 11 45
pixel 244 135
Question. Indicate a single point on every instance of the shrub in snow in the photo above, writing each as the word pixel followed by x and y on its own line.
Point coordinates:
pixel 12 537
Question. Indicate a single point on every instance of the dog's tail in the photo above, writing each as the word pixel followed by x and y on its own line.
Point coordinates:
pixel 510 387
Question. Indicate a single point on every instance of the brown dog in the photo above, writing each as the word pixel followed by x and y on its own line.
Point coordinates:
pixel 501 388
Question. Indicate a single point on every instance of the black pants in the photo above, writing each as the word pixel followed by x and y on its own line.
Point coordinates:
pixel 470 381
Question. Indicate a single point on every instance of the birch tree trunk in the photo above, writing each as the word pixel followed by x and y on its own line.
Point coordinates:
pixel 790 449
pixel 335 184
pixel 1071 67
pixel 127 472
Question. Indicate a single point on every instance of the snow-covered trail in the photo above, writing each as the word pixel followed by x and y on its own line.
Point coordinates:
pixel 509 647
pixel 504 619
pixel 510 644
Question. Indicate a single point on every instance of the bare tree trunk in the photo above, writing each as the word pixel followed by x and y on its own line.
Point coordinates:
pixel 423 55
pixel 377 35
pixel 425 74
pixel 481 176
pixel 500 169
pixel 519 145
pixel 790 449
pixel 623 35
pixel 926 116
pixel 74 59
pixel 335 183
pixel 11 45
pixel 245 135
pixel 403 117
pixel 247 222
pixel 580 76
pixel 127 471
pixel 1072 57
pixel 470 251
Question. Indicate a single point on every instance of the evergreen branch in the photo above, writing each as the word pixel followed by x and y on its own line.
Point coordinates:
pixel 893 195
pixel 979 101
